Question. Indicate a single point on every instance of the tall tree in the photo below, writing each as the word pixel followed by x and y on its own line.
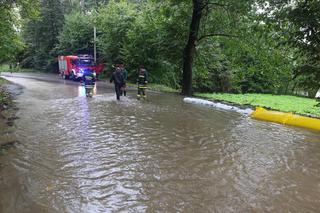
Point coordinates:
pixel 41 34
pixel 156 40
pixel 305 17
pixel 113 21
pixel 76 36
pixel 199 29
pixel 188 53
pixel 10 15
pixel 299 25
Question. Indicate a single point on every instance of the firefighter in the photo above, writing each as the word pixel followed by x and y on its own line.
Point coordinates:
pixel 125 76
pixel 118 79
pixel 142 83
pixel 89 80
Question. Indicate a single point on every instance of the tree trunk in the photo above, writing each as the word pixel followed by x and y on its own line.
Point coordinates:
pixel 189 49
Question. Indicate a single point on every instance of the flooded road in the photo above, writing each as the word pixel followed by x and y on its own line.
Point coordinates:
pixel 160 155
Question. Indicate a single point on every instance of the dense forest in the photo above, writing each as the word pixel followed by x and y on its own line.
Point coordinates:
pixel 236 46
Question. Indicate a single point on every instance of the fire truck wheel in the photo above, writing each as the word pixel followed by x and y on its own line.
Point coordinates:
pixel 65 76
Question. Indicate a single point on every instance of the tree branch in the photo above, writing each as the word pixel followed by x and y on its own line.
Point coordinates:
pixel 217 4
pixel 214 3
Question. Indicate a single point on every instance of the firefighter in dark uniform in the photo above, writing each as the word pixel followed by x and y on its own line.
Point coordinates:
pixel 89 80
pixel 125 77
pixel 118 79
pixel 142 83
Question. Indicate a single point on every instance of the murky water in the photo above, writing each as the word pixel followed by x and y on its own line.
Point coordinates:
pixel 160 155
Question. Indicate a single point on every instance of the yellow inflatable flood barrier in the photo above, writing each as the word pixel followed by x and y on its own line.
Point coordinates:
pixel 286 118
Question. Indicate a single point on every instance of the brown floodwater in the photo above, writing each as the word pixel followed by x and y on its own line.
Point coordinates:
pixel 159 155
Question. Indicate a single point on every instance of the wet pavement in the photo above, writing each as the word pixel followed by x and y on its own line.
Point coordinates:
pixel 78 154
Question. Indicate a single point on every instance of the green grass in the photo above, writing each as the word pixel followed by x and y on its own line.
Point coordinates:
pixel 3 81
pixel 157 87
pixel 284 103
pixel 162 88
pixel 6 68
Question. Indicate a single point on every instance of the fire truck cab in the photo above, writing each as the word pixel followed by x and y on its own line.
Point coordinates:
pixel 73 67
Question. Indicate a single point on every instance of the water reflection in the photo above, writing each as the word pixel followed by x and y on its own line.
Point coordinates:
pixel 82 90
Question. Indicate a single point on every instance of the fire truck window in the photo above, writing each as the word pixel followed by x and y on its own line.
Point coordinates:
pixel 74 62
pixel 86 62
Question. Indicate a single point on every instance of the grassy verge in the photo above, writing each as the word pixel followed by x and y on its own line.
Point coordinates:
pixel 162 88
pixel 4 96
pixel 3 81
pixel 6 68
pixel 157 87
pixel 284 103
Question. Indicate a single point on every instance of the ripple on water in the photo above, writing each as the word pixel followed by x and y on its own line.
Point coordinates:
pixel 97 155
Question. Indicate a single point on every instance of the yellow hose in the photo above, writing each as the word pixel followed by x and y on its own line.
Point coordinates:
pixel 286 118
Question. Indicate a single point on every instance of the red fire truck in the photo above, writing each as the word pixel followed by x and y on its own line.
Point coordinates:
pixel 72 67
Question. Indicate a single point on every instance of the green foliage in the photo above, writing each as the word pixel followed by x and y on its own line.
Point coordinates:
pixel 10 15
pixel 143 34
pixel 4 67
pixel 16 68
pixel 162 88
pixel 261 65
pixel 212 68
pixel 41 36
pixel 4 96
pixel 156 41
pixel 158 87
pixel 306 20
pixel 299 25
pixel 285 103
pixel 76 36
pixel 305 17
pixel 3 81
pixel 89 4
pixel 113 22
pixel 249 62
pixel 250 56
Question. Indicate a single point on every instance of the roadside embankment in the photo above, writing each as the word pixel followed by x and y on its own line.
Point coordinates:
pixel 156 87
pixel 240 109
pixel 284 103
pixel 244 102
pixel 8 110
pixel 289 110
pixel 5 99
pixel 17 69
